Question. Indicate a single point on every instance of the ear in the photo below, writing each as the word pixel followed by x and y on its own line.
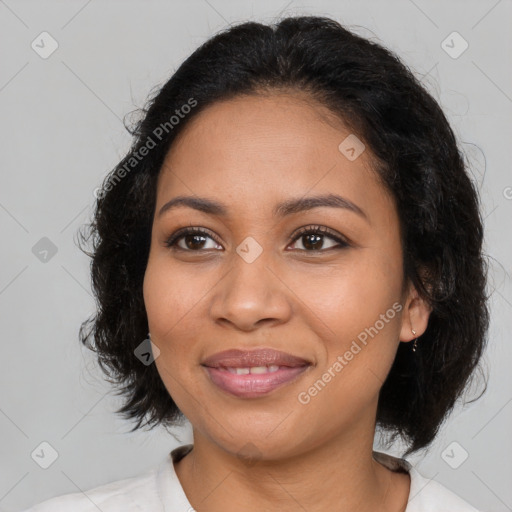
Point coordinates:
pixel 415 316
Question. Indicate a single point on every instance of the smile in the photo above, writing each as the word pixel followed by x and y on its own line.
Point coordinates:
pixel 255 381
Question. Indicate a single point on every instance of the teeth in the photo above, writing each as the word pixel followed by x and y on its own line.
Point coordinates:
pixel 254 369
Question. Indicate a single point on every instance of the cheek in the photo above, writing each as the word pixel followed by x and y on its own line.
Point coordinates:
pixel 355 311
pixel 170 296
pixel 171 302
pixel 176 306
pixel 353 294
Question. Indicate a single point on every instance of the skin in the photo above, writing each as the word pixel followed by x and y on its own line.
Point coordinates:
pixel 251 153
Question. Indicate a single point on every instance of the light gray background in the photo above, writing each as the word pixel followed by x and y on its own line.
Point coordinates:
pixel 61 132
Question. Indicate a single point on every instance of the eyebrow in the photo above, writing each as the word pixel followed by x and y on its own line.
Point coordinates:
pixel 288 207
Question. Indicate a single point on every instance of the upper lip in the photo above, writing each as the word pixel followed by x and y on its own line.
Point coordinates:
pixel 235 358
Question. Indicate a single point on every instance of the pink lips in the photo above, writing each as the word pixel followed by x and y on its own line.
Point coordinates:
pixel 220 368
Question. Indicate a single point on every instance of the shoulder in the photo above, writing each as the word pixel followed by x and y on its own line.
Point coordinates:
pixel 127 495
pixel 425 495
pixel 428 495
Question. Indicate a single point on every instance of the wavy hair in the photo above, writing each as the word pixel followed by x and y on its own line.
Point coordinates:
pixel 416 158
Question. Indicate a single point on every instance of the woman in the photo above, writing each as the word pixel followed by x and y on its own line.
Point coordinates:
pixel 288 227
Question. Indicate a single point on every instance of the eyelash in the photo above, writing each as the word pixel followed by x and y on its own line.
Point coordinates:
pixel 307 230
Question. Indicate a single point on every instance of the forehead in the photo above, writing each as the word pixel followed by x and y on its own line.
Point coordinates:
pixel 263 148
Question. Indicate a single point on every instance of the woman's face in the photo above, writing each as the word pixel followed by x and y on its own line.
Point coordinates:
pixel 254 281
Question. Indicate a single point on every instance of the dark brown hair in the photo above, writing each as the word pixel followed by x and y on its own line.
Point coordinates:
pixel 374 93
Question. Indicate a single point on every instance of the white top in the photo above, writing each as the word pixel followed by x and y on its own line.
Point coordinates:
pixel 159 490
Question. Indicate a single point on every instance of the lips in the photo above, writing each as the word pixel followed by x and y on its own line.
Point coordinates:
pixel 253 374
pixel 247 359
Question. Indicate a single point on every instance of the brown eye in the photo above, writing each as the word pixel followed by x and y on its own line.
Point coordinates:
pixel 313 239
pixel 194 240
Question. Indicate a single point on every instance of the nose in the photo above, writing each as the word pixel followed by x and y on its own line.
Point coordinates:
pixel 251 295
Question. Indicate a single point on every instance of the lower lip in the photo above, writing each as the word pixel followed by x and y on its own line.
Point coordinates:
pixel 253 385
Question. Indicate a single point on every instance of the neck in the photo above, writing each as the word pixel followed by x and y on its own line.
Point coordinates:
pixel 339 475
